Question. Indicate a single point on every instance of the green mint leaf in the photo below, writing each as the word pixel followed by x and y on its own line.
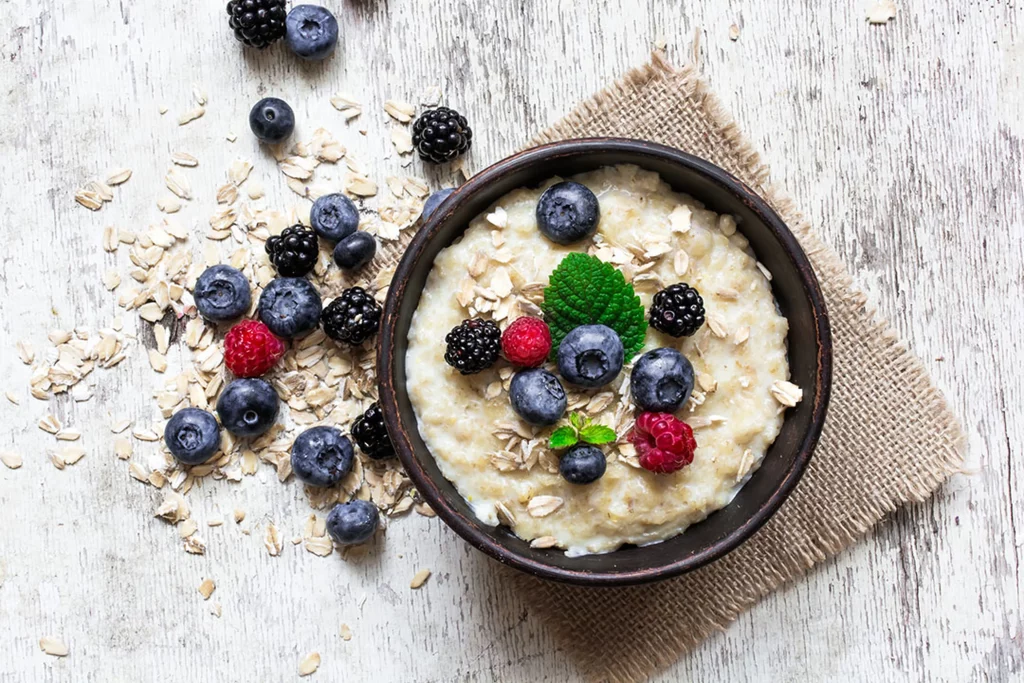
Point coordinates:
pixel 584 290
pixel 576 420
pixel 597 434
pixel 563 437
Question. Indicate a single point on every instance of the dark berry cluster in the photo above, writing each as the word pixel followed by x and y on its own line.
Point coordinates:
pixel 371 435
pixel 441 135
pixel 257 23
pixel 473 345
pixel 352 318
pixel 677 310
pixel 294 251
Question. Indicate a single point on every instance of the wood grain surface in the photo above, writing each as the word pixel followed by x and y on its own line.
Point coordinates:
pixel 903 142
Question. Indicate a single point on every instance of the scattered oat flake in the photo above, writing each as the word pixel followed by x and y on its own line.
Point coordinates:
pixel 361 186
pixel 309 664
pixel 89 199
pixel 191 115
pixel 734 32
pixel 544 542
pixel 401 138
pixel 881 12
pixel 11 460
pixel 206 588
pixel 420 578
pixel 272 541
pixel 542 506
pixel 12 398
pixel 118 175
pixel 184 159
pixel 54 646
pixel 400 111
pixel 25 352
pixel 345 632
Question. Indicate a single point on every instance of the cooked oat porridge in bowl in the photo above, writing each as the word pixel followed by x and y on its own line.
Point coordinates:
pixel 590 368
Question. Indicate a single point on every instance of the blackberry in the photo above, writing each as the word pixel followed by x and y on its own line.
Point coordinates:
pixel 473 345
pixel 441 135
pixel 257 23
pixel 351 318
pixel 294 251
pixel 677 310
pixel 371 435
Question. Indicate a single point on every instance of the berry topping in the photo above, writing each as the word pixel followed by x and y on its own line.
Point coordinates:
pixel 663 443
pixel 222 293
pixel 661 381
pixel 582 464
pixel 677 310
pixel 527 342
pixel 434 201
pixel 590 356
pixel 371 434
pixel 257 23
pixel 568 212
pixel 251 349
pixel 473 345
pixel 311 32
pixel 294 251
pixel 441 135
pixel 192 436
pixel 355 251
pixel 334 217
pixel 248 407
pixel 537 396
pixel 353 522
pixel 321 456
pixel 290 307
pixel 271 120
pixel 352 318
pixel 584 290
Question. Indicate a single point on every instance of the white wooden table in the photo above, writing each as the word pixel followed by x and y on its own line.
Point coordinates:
pixel 903 142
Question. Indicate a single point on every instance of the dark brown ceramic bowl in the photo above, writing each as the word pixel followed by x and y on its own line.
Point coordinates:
pixel 795 288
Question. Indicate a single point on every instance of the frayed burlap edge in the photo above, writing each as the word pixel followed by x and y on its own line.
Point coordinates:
pixel 627 634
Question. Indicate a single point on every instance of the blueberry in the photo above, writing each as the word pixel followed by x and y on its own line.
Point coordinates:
pixel 290 307
pixel 568 212
pixel 248 407
pixel 590 356
pixel 311 32
pixel 222 293
pixel 272 120
pixel 661 381
pixel 434 201
pixel 355 251
pixel 353 522
pixel 537 396
pixel 582 464
pixel 321 456
pixel 334 217
pixel 192 436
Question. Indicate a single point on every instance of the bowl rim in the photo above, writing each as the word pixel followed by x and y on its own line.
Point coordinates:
pixel 581 147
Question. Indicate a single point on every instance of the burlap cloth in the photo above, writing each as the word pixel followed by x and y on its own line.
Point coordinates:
pixel 890 437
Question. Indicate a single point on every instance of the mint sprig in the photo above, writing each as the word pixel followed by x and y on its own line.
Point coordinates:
pixel 580 429
pixel 584 290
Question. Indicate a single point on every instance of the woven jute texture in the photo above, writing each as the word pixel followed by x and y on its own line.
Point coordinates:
pixel 890 437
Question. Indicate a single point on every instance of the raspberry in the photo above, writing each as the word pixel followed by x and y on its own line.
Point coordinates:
pixel 250 349
pixel 527 342
pixel 663 443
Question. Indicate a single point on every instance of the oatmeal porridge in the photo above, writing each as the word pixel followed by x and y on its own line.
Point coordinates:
pixel 571 469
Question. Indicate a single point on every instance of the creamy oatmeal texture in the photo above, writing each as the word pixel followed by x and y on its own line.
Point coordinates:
pixel 503 467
